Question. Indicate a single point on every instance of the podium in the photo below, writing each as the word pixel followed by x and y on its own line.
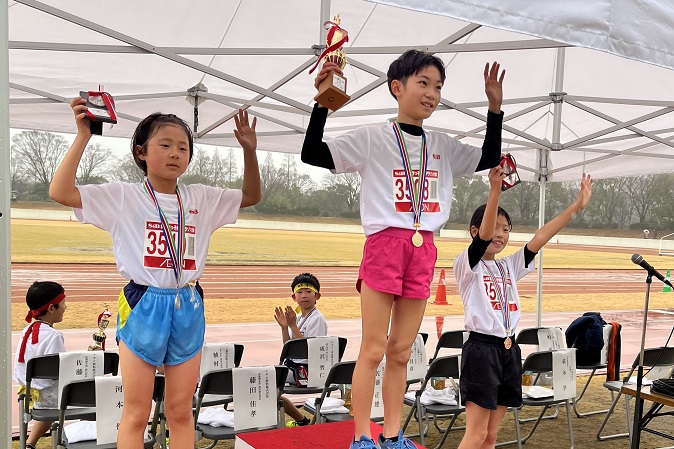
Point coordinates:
pixel 336 435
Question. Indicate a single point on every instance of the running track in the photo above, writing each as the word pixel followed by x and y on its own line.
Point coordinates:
pixel 103 282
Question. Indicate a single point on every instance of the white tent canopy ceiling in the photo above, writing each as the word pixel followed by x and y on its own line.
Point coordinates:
pixel 614 115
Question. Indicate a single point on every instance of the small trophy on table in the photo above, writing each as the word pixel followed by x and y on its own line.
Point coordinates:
pixel 99 337
pixel 332 90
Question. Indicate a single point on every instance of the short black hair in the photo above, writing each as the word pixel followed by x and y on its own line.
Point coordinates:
pixel 148 127
pixel 478 215
pixel 410 63
pixel 41 293
pixel 306 278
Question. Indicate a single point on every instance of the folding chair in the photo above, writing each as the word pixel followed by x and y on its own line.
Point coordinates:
pixel 298 349
pixel 209 401
pixel 447 366
pixel 340 374
pixel 82 393
pixel 47 367
pixel 538 363
pixel 449 340
pixel 653 357
pixel 424 337
pixel 592 368
pixel 221 383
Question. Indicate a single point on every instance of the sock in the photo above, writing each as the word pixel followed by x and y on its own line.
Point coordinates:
pixel 29 446
pixel 304 422
pixel 392 439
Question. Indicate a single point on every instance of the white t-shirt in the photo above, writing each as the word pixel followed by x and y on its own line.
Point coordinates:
pixel 128 213
pixel 373 152
pixel 314 325
pixel 50 341
pixel 482 307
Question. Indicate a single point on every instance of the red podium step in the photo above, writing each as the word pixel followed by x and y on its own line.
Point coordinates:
pixel 319 436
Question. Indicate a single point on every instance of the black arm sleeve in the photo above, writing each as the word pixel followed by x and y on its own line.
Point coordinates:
pixel 314 151
pixel 491 148
pixel 528 256
pixel 476 250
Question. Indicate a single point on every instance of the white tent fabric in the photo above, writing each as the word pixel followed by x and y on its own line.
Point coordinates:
pixel 608 115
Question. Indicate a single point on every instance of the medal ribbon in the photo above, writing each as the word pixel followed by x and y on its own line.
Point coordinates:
pixel 176 247
pixel 502 294
pixel 415 192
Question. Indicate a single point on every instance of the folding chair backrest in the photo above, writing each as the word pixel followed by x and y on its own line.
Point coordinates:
pixel 80 393
pixel 528 336
pixel 424 336
pixel 220 382
pixel 663 356
pixel 340 373
pixel 238 354
pixel 538 362
pixel 449 340
pixel 447 366
pixel 47 366
pixel 298 349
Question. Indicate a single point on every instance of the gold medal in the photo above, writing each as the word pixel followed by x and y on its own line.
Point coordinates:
pixel 508 343
pixel 417 239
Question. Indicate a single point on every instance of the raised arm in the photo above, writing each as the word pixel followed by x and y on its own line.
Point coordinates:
pixel 62 188
pixel 245 134
pixel 493 88
pixel 551 228
pixel 488 225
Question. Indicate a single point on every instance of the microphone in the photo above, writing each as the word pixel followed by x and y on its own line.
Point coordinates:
pixel 637 259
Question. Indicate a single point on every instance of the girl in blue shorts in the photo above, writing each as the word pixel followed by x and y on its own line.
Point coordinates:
pixel 491 370
pixel 160 233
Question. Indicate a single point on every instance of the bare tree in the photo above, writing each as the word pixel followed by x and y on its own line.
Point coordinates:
pixel 38 154
pixel 347 185
pixel 271 179
pixel 643 193
pixel 231 168
pixel 93 164
pixel 126 170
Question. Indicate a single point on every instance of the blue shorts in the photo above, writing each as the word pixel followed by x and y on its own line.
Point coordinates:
pixel 151 326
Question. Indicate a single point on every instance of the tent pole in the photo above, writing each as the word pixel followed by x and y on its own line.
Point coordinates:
pixel 543 160
pixel 5 261
pixel 325 16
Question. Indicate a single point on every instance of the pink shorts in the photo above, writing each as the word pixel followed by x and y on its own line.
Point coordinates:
pixel 392 264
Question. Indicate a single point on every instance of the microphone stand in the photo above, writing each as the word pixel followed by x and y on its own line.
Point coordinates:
pixel 638 403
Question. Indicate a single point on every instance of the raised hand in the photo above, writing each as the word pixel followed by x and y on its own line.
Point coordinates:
pixel 585 192
pixel 493 86
pixel 244 132
pixel 496 176
pixel 78 106
pixel 280 317
pixel 327 68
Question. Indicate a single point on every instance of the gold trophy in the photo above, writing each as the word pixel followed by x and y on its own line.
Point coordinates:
pixel 99 337
pixel 332 90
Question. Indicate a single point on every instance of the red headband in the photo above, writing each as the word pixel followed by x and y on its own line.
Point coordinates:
pixel 35 313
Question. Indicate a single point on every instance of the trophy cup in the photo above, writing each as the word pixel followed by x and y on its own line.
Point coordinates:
pixel 100 109
pixel 332 90
pixel 99 337
pixel 510 170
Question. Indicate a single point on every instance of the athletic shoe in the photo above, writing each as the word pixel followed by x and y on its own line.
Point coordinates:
pixel 363 443
pixel 402 443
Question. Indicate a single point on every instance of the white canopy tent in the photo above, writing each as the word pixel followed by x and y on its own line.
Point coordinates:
pixel 609 115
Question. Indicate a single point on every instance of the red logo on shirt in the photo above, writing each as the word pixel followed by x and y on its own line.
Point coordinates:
pixel 193 211
pixel 436 156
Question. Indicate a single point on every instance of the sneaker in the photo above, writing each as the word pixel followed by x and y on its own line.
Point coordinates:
pixel 292 423
pixel 363 443
pixel 402 443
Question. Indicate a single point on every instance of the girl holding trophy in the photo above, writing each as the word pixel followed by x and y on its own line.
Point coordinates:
pixel 160 231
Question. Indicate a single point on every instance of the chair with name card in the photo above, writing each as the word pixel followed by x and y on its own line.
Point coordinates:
pixel 340 374
pixel 83 393
pixel 562 364
pixel 654 358
pixel 298 349
pixel 218 356
pixel 241 384
pixel 48 367
pixel 444 402
pixel 600 365
pixel 453 339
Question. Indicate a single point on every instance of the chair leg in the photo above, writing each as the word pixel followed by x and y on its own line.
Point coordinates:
pixel 420 419
pixel 23 426
pixel 628 414
pixel 444 435
pixel 569 422
pixel 518 431
pixel 577 400
pixel 615 401
pixel 538 421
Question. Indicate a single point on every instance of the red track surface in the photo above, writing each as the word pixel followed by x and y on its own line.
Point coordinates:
pixel 103 282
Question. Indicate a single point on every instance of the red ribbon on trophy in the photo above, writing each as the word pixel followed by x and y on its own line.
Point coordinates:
pixel 332 28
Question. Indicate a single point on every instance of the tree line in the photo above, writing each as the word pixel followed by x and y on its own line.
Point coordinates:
pixel 640 202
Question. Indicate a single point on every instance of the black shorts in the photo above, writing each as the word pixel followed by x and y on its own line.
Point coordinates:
pixel 491 375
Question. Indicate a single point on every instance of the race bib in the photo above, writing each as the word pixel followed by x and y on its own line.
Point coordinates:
pixel 155 251
pixel 494 300
pixel 401 193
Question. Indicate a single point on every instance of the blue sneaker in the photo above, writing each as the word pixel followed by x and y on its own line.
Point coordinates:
pixel 363 443
pixel 402 443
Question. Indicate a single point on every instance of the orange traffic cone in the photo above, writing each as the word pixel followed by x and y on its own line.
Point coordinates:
pixel 441 293
pixel 439 322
